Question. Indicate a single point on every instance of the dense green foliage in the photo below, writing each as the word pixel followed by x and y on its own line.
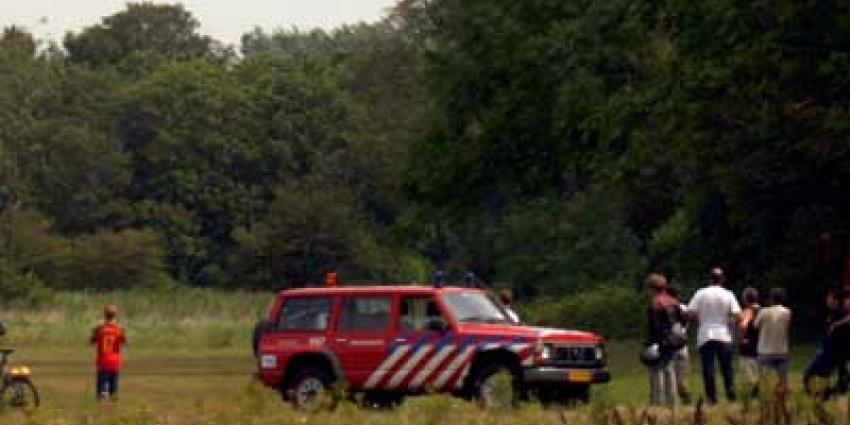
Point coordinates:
pixel 551 146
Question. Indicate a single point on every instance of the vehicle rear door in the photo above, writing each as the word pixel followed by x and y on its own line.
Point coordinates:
pixel 362 335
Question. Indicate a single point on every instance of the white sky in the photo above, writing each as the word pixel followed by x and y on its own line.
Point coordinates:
pixel 225 20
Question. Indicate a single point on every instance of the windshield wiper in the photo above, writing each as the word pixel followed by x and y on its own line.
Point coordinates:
pixel 480 319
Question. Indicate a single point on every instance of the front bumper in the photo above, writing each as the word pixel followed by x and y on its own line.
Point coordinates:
pixel 542 375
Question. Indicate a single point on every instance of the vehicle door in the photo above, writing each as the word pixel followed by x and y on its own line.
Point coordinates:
pixel 361 335
pixel 422 343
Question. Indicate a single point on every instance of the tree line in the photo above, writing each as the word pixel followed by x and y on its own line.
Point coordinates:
pixel 550 146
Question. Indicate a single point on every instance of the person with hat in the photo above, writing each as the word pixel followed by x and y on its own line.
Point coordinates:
pixel 108 338
pixel 664 340
pixel 716 309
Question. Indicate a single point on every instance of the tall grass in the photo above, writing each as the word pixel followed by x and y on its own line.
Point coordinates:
pixel 178 317
pixel 251 405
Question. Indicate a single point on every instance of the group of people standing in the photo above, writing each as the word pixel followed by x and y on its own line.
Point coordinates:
pixel 761 333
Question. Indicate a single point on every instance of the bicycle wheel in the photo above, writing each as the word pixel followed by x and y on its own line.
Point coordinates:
pixel 20 393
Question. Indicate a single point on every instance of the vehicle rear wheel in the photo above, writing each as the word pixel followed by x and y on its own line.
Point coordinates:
pixel 20 393
pixel 310 390
pixel 497 386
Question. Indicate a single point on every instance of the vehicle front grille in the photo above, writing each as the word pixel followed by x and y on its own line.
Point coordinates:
pixel 575 355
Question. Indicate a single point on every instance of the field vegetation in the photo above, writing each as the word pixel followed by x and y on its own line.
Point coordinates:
pixel 189 362
pixel 560 148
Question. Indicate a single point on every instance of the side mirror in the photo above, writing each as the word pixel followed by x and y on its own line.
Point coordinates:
pixel 436 326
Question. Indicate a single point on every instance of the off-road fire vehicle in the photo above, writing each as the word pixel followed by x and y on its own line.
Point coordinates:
pixel 390 341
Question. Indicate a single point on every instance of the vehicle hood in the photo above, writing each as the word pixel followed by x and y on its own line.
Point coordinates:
pixel 551 335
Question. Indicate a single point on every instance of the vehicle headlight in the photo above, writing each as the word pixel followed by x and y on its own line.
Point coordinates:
pixel 546 352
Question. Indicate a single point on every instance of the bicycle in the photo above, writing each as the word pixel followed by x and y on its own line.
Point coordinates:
pixel 16 387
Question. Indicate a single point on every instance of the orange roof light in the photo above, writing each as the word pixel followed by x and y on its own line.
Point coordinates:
pixel 330 279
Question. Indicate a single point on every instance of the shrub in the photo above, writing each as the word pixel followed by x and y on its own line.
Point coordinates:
pixel 614 312
pixel 113 260
pixel 22 289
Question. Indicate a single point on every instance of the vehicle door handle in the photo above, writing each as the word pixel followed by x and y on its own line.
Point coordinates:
pixel 400 340
pixel 341 340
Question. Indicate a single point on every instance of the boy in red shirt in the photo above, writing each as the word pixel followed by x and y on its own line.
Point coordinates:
pixel 108 338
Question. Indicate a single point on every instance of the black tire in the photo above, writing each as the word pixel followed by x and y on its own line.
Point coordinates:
pixel 497 385
pixel 382 400
pixel 20 393
pixel 310 390
pixel 561 395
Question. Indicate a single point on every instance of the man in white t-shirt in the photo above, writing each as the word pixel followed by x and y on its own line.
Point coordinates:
pixel 716 310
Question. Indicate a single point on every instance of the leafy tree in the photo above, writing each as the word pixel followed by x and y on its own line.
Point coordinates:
pixel 18 41
pixel 308 231
pixel 168 31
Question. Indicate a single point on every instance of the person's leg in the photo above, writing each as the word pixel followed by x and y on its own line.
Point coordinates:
pixel 843 378
pixel 706 356
pixel 724 352
pixel 781 365
pixel 750 368
pixel 813 368
pixel 669 383
pixel 100 384
pixel 682 369
pixel 654 385
pixel 113 385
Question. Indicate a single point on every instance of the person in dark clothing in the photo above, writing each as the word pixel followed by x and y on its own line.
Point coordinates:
pixel 839 344
pixel 681 358
pixel 823 364
pixel 748 338
pixel 664 318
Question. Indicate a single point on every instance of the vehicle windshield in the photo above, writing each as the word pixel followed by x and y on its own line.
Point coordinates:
pixel 474 307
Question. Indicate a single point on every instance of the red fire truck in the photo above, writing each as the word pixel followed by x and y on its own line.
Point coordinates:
pixel 392 341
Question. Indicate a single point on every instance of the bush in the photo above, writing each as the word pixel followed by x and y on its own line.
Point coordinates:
pixel 114 260
pixel 616 313
pixel 23 289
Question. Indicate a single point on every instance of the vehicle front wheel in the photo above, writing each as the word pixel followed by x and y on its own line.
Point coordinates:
pixel 20 393
pixel 570 395
pixel 497 386
pixel 310 390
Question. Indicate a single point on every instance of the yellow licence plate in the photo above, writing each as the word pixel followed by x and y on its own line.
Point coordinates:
pixel 579 376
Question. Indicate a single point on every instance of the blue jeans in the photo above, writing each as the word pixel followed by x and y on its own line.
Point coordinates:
pixel 107 384
pixel 662 384
pixel 823 365
pixel 723 353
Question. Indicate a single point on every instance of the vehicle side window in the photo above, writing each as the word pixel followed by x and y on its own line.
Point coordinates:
pixel 418 312
pixel 304 314
pixel 366 313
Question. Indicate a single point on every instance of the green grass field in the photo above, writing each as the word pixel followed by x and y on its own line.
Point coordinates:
pixel 179 371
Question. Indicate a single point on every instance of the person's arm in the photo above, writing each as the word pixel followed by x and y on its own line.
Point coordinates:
pixel 93 339
pixel 838 323
pixel 734 307
pixel 746 318
pixel 693 307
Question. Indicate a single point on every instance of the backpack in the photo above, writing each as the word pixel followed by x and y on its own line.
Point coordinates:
pixel 676 335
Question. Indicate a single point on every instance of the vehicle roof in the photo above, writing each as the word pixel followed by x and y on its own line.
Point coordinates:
pixel 395 289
